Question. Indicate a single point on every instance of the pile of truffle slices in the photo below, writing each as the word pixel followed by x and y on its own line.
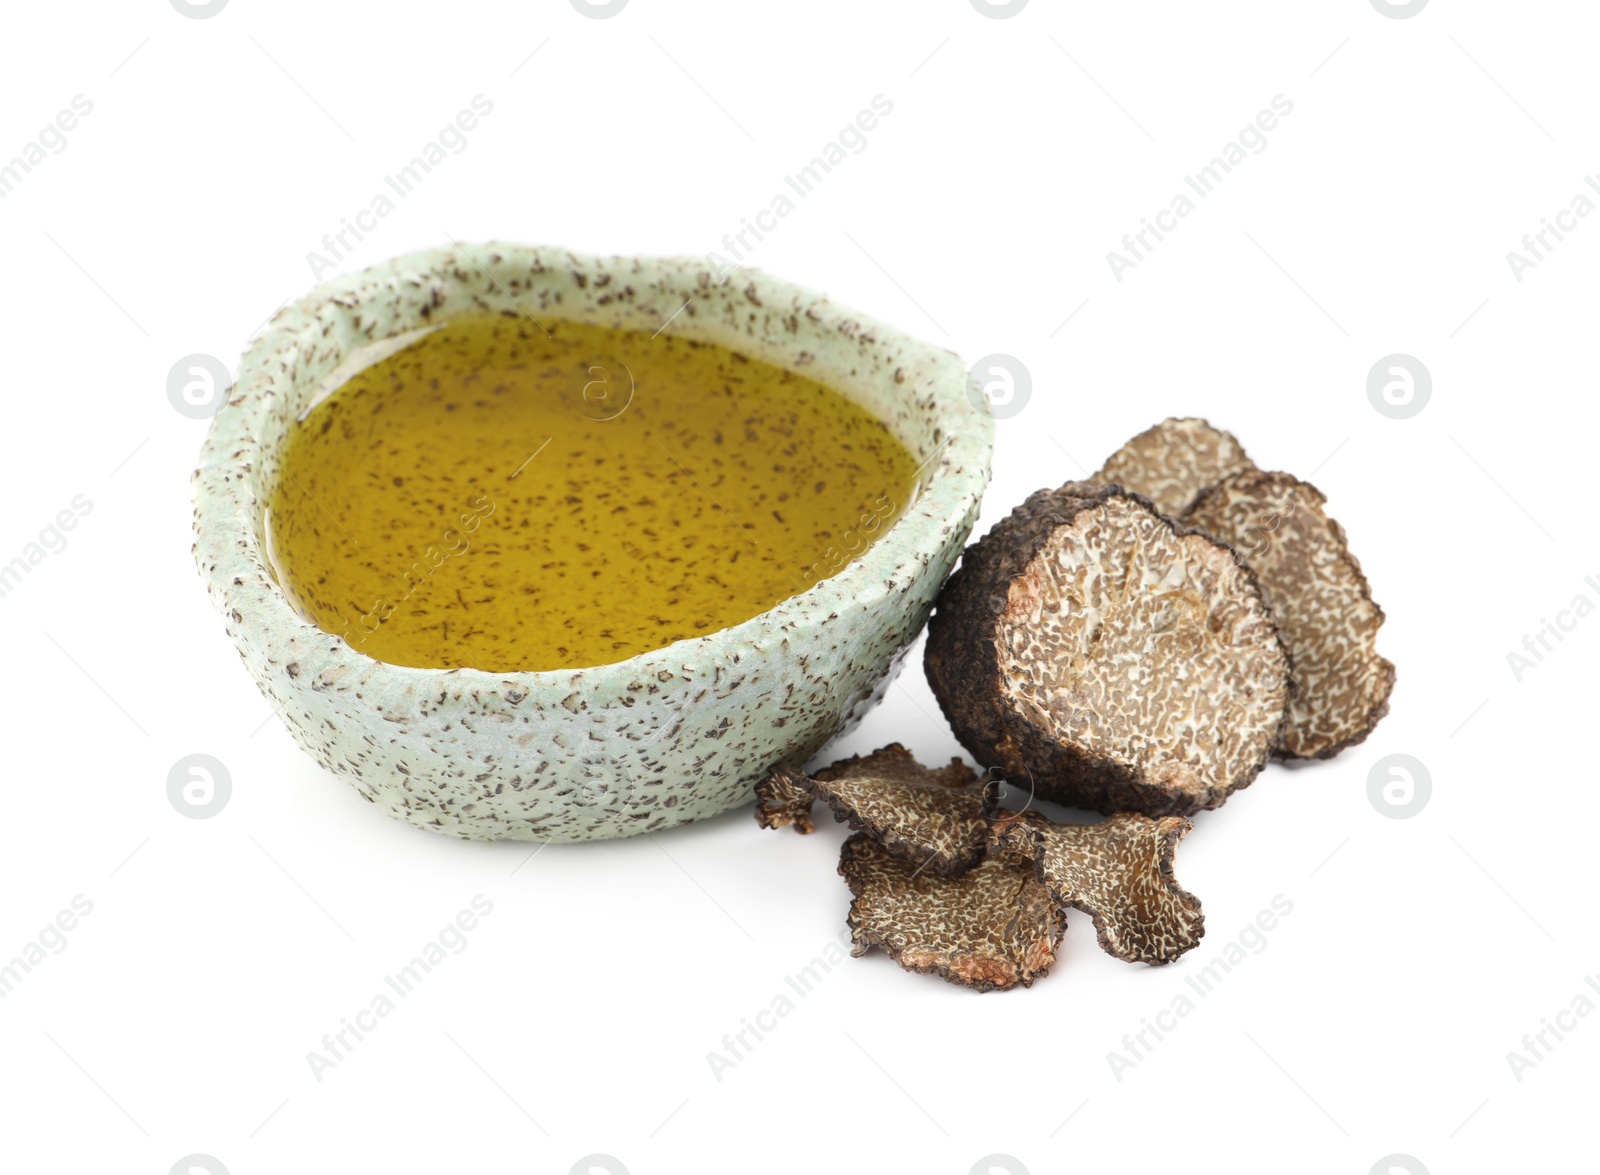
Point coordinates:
pixel 1138 645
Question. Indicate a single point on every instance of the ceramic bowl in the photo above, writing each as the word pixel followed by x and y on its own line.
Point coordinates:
pixel 617 750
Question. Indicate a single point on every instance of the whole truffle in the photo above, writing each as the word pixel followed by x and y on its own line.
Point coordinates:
pixel 1116 661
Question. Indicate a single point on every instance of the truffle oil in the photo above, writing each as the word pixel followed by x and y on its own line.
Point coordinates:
pixel 508 497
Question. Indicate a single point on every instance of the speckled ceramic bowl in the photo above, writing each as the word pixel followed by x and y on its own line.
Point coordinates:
pixel 657 740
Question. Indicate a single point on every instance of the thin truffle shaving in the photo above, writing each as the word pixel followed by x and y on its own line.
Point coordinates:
pixel 1320 599
pixel 1120 873
pixel 783 798
pixel 936 817
pixel 1174 461
pixel 990 928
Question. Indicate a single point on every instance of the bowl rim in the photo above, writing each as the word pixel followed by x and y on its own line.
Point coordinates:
pixel 230 548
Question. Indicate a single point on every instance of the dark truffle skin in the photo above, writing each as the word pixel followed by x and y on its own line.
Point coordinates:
pixel 1217 636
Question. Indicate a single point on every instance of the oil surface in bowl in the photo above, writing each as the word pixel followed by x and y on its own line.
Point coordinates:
pixel 510 497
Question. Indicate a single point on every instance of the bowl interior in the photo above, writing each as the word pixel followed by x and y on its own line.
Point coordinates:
pixel 320 343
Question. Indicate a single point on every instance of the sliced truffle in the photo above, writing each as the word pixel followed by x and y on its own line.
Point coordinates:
pixel 1119 661
pixel 990 928
pixel 1119 873
pixel 1340 686
pixel 1173 462
pixel 934 816
pixel 783 798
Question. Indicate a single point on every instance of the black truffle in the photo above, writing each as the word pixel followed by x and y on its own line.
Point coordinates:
pixel 1113 658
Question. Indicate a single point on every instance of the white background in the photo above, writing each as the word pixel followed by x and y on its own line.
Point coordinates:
pixel 1379 1016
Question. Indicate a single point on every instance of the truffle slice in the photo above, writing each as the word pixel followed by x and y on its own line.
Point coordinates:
pixel 1340 685
pixel 990 928
pixel 1119 873
pixel 1173 462
pixel 784 797
pixel 936 816
pixel 1119 661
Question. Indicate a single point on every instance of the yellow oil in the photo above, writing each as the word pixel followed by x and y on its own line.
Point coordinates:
pixel 507 496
